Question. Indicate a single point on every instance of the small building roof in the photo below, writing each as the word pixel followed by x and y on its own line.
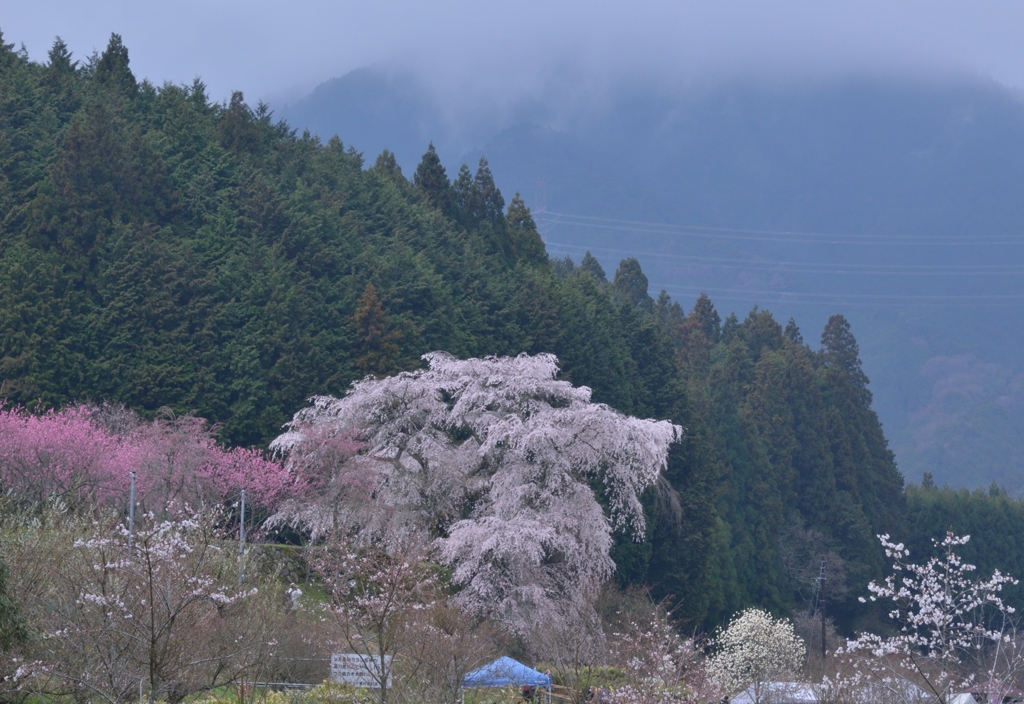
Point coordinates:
pixel 780 693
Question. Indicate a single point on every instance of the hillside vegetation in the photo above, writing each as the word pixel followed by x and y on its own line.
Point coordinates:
pixel 164 252
pixel 896 201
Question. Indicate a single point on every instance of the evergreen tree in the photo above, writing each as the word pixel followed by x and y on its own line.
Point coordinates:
pixel 430 179
pixel 465 196
pixel 387 166
pixel 112 69
pixel 375 342
pixel 487 196
pixel 792 332
pixel 593 267
pixel 238 130
pixel 60 59
pixel 705 319
pixel 842 354
pixel 7 55
pixel 526 241
pixel 519 217
pixel 629 287
pixel 61 80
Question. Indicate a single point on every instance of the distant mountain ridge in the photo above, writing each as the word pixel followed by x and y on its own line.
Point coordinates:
pixel 912 192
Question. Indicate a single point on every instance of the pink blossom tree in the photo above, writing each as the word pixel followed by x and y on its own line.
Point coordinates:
pixel 494 458
pixel 72 456
pixel 178 462
pixel 58 455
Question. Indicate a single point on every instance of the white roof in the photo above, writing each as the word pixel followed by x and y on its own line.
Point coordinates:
pixel 963 698
pixel 782 693
pixel 804 693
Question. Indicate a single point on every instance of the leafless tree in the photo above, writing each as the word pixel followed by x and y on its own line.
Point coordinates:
pixel 378 595
pixel 164 615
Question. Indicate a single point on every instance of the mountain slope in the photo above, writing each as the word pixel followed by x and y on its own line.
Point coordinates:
pixel 898 202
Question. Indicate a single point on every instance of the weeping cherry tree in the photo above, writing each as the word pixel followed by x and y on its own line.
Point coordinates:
pixel 497 462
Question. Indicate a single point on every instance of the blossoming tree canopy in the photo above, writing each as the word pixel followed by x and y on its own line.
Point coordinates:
pixel 77 456
pixel 948 618
pixel 495 457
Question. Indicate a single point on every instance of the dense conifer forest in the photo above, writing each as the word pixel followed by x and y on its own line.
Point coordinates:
pixel 166 252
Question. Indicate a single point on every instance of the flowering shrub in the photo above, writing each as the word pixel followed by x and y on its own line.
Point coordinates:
pixel 660 666
pixel 165 608
pixel 378 595
pixel 755 649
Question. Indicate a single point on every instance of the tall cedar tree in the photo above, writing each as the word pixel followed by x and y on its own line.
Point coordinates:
pixel 431 180
pixel 375 342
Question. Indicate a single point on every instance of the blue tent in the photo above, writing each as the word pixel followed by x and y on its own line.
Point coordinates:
pixel 504 672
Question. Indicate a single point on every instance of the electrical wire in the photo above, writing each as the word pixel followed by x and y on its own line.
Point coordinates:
pixel 794 236
pixel 811 267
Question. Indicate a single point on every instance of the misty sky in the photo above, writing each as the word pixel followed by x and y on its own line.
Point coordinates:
pixel 278 51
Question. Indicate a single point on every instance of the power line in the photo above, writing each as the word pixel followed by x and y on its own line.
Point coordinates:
pixel 855 299
pixel 794 236
pixel 812 267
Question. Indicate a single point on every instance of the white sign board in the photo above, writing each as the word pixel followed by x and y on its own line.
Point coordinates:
pixel 358 670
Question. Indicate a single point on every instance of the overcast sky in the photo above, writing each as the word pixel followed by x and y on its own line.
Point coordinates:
pixel 278 51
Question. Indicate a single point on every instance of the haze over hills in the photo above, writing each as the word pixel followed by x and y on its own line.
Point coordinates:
pixel 898 202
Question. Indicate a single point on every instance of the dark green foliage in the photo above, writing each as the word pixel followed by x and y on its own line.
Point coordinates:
pixel 993 519
pixel 794 452
pixel 112 72
pixel 487 203
pixel 376 344
pixel 629 287
pixel 162 251
pixel 387 166
pixel 526 241
pixel 591 265
pixel 430 178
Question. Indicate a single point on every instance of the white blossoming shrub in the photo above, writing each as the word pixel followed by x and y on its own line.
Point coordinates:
pixel 165 609
pixel 951 626
pixel 755 649
pixel 659 665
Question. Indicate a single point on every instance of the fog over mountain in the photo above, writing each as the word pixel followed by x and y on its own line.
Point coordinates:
pixel 896 201
pixel 505 51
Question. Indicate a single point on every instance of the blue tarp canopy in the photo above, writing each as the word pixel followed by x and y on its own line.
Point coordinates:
pixel 504 672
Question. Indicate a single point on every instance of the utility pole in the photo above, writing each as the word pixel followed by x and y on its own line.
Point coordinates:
pixel 821 607
pixel 241 542
pixel 131 514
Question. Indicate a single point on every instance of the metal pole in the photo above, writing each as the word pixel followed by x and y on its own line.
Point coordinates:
pixel 241 541
pixel 821 605
pixel 131 513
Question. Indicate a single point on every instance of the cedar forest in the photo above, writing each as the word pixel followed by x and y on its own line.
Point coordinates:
pixel 172 255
